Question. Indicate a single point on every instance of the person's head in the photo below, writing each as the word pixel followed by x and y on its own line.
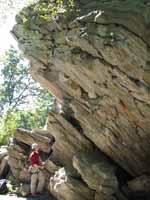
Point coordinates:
pixel 35 147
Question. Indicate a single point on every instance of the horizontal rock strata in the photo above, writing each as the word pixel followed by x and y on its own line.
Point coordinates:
pixel 29 138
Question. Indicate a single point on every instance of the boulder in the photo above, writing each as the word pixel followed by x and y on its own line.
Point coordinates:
pixel 117 196
pixel 51 167
pixel 24 175
pixel 101 196
pixel 25 189
pixel 18 161
pixel 64 187
pixel 4 167
pixel 97 172
pixel 69 141
pixel 140 184
pixel 29 137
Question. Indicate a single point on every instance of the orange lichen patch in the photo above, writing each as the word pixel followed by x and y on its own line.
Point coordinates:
pixel 131 116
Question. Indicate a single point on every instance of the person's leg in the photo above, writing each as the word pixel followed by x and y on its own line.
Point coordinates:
pixel 41 182
pixel 34 178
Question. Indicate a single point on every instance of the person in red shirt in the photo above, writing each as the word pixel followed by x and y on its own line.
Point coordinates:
pixel 37 176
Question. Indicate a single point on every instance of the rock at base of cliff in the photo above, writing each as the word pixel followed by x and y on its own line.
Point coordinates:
pixel 67 188
pixel 97 172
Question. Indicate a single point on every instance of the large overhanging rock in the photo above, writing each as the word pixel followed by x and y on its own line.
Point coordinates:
pixel 69 141
pixel 98 57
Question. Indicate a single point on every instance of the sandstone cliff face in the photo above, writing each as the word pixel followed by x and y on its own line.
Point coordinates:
pixel 95 58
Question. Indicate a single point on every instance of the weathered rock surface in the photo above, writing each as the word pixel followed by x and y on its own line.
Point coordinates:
pixel 95 58
pixel 51 167
pixel 25 189
pixel 4 167
pixel 140 184
pixel 101 196
pixel 18 161
pixel 100 61
pixel 64 187
pixel 97 172
pixel 69 141
pixel 29 137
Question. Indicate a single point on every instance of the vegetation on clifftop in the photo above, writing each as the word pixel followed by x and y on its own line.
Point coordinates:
pixel 44 11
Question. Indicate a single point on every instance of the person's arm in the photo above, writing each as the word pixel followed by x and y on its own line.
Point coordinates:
pixel 41 163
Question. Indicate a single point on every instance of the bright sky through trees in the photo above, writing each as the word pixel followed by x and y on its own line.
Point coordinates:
pixel 6 39
pixel 8 10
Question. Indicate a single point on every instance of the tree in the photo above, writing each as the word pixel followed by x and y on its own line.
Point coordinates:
pixel 17 91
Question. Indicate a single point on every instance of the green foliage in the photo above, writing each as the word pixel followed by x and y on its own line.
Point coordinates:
pixel 44 11
pixel 53 8
pixel 16 81
pixel 43 106
pixel 23 103
pixel 8 124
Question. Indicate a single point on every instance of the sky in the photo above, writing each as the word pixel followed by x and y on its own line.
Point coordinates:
pixel 6 39
pixel 8 10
